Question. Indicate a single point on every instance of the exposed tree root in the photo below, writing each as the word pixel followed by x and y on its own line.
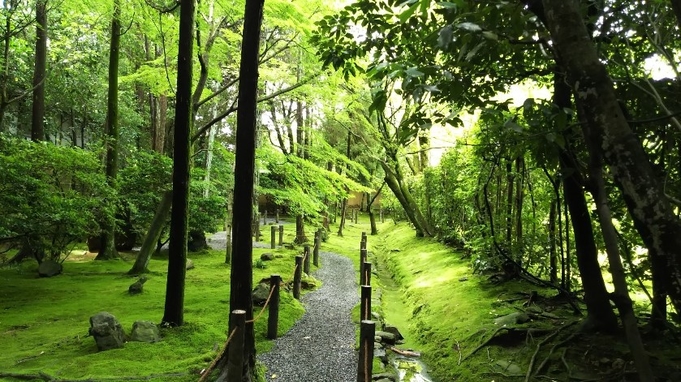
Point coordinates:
pixel 48 378
pixel 534 356
pixel 494 334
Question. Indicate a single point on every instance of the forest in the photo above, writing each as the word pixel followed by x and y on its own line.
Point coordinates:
pixel 502 156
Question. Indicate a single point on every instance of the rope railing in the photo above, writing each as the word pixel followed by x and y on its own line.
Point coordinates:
pixel 206 372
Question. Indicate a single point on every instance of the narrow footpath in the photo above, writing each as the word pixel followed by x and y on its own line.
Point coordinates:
pixel 321 345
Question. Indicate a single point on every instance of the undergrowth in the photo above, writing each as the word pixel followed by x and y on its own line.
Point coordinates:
pixel 451 311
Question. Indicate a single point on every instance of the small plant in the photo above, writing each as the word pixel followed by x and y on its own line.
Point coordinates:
pixel 259 264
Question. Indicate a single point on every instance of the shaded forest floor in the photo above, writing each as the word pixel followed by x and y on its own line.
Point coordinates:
pixel 455 319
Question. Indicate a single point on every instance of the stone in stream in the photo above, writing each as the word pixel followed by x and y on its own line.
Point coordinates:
pixel 385 337
pixel 393 330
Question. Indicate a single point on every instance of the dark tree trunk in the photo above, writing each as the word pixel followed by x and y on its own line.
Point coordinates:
pixel 600 315
pixel 107 249
pixel 37 124
pixel 246 135
pixel 173 314
pixel 621 149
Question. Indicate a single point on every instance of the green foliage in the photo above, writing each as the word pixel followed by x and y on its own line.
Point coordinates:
pixel 51 196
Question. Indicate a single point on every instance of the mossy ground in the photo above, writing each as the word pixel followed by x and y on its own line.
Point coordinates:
pixel 44 321
pixel 450 312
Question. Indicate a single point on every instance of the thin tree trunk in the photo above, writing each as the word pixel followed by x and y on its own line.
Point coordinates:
pixel 553 260
pixel 107 248
pixel 153 235
pixel 341 225
pixel 509 202
pixel 300 230
pixel 38 114
pixel 173 314
pixel 621 296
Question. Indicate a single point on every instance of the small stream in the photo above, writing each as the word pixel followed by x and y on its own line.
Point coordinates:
pixel 410 369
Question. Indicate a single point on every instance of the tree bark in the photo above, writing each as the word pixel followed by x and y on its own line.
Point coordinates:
pixel 38 114
pixel 107 249
pixel 676 6
pixel 621 149
pixel 173 314
pixel 300 230
pixel 152 236
pixel 242 247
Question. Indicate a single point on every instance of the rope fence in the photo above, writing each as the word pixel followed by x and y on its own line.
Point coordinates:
pixel 235 356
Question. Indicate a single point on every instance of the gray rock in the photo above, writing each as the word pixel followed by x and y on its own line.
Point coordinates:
pixel 260 294
pixel 393 330
pixel 138 286
pixel 512 319
pixel 381 354
pixel 49 268
pixel 267 256
pixel 190 264
pixel 107 331
pixel 387 377
pixel 386 337
pixel 145 331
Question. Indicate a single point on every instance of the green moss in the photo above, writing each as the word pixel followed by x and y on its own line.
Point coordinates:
pixel 44 321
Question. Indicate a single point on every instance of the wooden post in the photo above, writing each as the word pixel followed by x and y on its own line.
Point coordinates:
pixel 276 216
pixel 297 277
pixel 317 244
pixel 365 303
pixel 306 264
pixel 366 270
pixel 362 259
pixel 281 234
pixel 235 360
pixel 228 245
pixel 367 332
pixel 356 215
pixel 273 319
pixel 273 237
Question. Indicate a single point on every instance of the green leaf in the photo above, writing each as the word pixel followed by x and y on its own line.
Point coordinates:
pixel 404 16
pixel 444 38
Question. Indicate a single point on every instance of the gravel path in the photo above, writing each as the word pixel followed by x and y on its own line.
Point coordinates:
pixel 320 346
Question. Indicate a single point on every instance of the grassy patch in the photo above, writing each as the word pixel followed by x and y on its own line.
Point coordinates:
pixel 44 321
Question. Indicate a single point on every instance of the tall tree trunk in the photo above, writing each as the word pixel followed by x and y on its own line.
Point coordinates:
pixel 107 248
pixel 344 208
pixel 242 247
pixel 372 217
pixel 173 314
pixel 37 124
pixel 621 149
pixel 300 230
pixel 621 296
pixel 519 187
pixel 600 315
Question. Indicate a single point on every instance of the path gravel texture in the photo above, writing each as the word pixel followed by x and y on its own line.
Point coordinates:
pixel 320 346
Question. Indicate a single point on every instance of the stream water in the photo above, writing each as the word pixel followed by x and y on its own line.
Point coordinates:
pixel 410 370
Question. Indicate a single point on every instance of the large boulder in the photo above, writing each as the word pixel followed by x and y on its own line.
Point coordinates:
pixel 260 294
pixel 267 257
pixel 145 331
pixel 49 268
pixel 107 331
